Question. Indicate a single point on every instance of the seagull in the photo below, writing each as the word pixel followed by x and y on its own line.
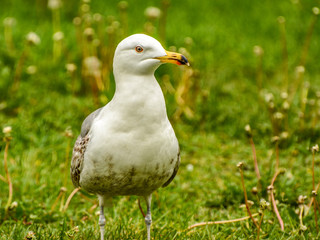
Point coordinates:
pixel 128 147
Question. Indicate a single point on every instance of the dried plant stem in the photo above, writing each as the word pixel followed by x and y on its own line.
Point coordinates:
pixel 259 74
pixel 221 222
pixel 270 188
pixel 284 53
pixel 163 20
pixel 307 41
pixel 18 70
pixel 8 176
pixel 56 201
pixel 260 222
pixel 277 156
pixel 2 178
pixel 8 37
pixel 246 198
pixel 312 199
pixel 69 198
pixel 315 205
pixel 66 173
pixel 141 210
pixel 301 214
pixel 276 210
pixel 313 184
pixel 254 154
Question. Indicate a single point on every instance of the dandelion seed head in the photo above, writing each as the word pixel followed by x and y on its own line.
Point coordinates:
pixel 77 21
pixel 9 22
pixel 97 17
pixel 264 204
pixel 109 29
pixel 188 41
pixel 250 203
pixel 33 38
pixel 312 102
pixel 315 10
pixel 284 95
pixel 92 65
pixel 58 36
pixel 301 199
pixel 257 50
pixel 270 188
pixel 240 165
pixel 278 115
pixel 247 128
pixel 254 190
pixel 89 33
pixel 190 167
pixel 68 132
pixel 96 42
pixel 300 69
pixel 271 105
pixel 54 4
pixel 85 8
pixel 284 135
pixel 14 205
pixel 281 19
pixel 71 67
pixel 303 228
pixel 301 114
pixel 315 148
pixel 304 100
pixel 285 105
pixel 275 139
pixel 115 24
pixel 268 97
pixel 30 236
pixel 123 5
pixel 7 130
pixel 152 13
pixel 32 69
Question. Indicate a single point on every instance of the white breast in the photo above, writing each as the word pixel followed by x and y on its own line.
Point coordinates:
pixel 133 148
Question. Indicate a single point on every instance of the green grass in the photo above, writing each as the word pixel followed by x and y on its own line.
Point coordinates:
pixel 223 96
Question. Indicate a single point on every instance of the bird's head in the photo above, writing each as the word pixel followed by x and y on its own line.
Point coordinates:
pixel 142 54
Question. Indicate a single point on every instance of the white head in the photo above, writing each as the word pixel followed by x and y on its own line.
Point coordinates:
pixel 140 54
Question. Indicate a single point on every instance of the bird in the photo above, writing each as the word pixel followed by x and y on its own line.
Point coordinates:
pixel 128 146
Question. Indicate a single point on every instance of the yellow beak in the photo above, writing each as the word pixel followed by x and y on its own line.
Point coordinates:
pixel 175 58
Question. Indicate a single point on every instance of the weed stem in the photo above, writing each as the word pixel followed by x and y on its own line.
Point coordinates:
pixel 270 188
pixel 254 154
pixel 8 175
pixel 69 198
pixel 245 196
pixel 260 222
pixel 221 222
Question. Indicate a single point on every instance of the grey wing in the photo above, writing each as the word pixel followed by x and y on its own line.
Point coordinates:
pixel 175 170
pixel 86 125
pixel 80 147
pixel 77 159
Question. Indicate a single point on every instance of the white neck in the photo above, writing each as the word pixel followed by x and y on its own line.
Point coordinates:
pixel 139 99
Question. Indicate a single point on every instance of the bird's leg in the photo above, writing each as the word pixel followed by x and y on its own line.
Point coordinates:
pixel 102 219
pixel 147 218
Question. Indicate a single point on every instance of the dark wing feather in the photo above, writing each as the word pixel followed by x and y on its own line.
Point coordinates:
pixel 80 147
pixel 175 170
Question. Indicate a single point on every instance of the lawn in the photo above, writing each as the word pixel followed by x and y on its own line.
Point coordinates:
pixel 252 91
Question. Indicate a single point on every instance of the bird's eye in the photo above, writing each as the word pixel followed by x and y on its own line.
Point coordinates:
pixel 139 49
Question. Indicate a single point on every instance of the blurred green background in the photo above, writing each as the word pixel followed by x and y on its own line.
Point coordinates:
pixel 252 62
